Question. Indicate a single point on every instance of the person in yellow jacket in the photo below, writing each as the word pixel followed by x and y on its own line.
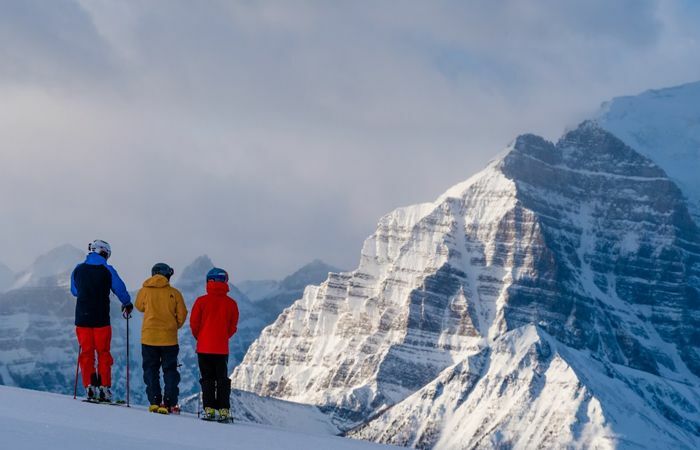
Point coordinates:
pixel 164 312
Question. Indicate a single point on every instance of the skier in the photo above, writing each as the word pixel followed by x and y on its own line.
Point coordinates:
pixel 91 282
pixel 164 313
pixel 213 322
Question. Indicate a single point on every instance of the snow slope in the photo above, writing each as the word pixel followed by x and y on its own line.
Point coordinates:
pixel 34 420
pixel 250 408
pixel 513 386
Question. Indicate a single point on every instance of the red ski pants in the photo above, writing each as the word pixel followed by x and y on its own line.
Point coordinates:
pixel 93 340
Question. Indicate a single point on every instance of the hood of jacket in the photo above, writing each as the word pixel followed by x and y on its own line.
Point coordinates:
pixel 156 281
pixel 217 287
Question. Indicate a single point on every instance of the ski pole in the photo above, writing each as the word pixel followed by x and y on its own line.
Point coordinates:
pixel 77 366
pixel 127 361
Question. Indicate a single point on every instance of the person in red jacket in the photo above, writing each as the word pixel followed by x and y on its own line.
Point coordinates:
pixel 213 322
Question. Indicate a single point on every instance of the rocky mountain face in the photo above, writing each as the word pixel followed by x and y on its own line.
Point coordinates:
pixel 562 273
pixel 663 124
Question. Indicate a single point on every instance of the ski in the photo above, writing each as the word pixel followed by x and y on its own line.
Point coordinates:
pixel 97 402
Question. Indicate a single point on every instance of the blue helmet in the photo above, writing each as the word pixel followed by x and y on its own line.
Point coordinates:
pixel 217 274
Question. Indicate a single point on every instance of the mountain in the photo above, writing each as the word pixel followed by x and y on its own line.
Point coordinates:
pixel 563 274
pixel 664 125
pixel 32 420
pixel 272 297
pixel 7 277
pixel 513 385
pixel 50 269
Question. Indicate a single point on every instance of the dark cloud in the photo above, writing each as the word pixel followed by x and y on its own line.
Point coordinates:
pixel 270 133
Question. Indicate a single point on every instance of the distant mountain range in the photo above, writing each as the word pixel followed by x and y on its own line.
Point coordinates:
pixel 37 338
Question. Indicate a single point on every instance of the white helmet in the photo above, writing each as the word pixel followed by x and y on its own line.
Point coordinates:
pixel 100 247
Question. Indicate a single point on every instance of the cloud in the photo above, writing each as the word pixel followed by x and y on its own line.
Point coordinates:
pixel 270 133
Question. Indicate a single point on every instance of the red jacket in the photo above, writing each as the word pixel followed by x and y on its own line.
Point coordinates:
pixel 214 319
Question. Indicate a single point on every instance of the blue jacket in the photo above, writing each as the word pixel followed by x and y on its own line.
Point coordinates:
pixel 91 282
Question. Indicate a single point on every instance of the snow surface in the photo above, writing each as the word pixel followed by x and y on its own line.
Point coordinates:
pixel 33 420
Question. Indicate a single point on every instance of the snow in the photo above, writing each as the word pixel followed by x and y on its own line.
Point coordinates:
pixel 32 420
pixel 663 124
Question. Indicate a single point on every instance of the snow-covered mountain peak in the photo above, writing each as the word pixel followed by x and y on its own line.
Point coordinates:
pixel 664 125
pixel 585 240
pixel 196 271
pixel 51 268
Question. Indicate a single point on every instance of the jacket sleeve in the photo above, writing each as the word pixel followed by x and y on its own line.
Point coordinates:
pixel 73 287
pixel 233 320
pixel 118 287
pixel 195 318
pixel 180 309
pixel 140 303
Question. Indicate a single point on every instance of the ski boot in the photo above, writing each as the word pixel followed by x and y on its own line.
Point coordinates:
pixel 91 393
pixel 209 414
pixel 174 409
pixel 153 408
pixel 225 415
pixel 105 395
pixel 162 409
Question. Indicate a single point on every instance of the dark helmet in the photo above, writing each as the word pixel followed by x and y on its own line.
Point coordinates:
pixel 217 274
pixel 162 269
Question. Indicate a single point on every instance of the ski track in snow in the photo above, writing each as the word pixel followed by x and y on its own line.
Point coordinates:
pixel 33 420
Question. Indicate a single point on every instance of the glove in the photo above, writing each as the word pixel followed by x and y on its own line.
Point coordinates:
pixel 126 310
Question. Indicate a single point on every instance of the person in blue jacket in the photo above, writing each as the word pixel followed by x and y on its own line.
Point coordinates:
pixel 91 283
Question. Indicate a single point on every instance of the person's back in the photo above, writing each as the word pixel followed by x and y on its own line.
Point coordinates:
pixel 214 321
pixel 164 313
pixel 91 283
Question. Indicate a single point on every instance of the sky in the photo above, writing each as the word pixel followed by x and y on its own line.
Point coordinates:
pixel 267 134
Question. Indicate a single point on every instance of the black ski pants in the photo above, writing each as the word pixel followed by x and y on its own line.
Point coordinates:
pixel 156 357
pixel 216 385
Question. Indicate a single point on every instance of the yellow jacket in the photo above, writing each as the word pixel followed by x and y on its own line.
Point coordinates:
pixel 164 311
